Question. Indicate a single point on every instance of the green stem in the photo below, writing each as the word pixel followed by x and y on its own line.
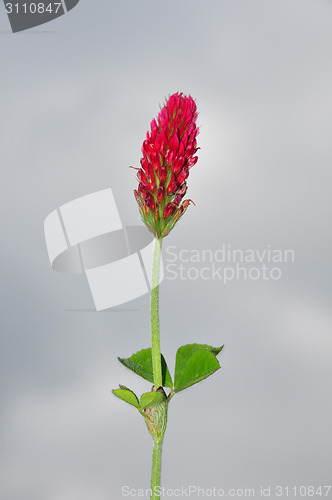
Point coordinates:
pixel 156 470
pixel 156 357
pixel 156 361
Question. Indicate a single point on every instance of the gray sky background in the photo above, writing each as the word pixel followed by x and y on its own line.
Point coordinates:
pixel 77 96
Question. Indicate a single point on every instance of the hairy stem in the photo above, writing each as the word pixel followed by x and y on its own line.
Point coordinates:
pixel 156 362
pixel 155 340
pixel 156 470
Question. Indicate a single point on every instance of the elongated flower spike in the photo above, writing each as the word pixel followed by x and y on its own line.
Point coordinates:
pixel 168 154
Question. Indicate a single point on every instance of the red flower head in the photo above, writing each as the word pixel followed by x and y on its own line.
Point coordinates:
pixel 168 154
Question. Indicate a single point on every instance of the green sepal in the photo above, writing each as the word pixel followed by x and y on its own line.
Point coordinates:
pixel 194 362
pixel 141 364
pixel 152 398
pixel 127 395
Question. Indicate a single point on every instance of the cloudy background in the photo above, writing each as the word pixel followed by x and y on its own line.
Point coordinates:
pixel 77 96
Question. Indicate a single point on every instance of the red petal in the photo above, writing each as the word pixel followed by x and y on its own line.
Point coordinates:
pixel 173 142
pixel 160 194
pixel 183 174
pixel 169 209
pixel 172 185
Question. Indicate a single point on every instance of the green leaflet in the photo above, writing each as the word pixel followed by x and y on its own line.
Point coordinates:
pixel 126 395
pixel 141 364
pixel 151 399
pixel 194 362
